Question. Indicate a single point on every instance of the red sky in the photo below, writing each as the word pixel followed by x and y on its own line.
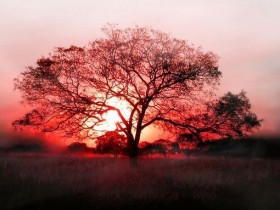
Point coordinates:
pixel 244 33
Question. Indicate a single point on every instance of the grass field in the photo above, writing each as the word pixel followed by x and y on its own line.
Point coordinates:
pixel 76 182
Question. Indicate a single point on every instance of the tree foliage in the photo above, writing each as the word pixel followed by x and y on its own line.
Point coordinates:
pixel 162 80
pixel 227 117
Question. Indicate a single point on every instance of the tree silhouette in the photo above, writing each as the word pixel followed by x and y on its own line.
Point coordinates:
pixel 111 143
pixel 78 147
pixel 160 146
pixel 226 117
pixel 162 80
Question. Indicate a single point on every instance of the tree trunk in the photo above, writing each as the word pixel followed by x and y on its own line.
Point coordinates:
pixel 132 149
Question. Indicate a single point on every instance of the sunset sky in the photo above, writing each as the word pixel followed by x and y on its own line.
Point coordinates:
pixel 244 33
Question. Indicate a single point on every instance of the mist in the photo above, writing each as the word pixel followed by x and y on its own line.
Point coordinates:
pixel 19 141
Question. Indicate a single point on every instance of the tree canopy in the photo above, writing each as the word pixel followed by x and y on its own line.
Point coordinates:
pixel 227 117
pixel 160 79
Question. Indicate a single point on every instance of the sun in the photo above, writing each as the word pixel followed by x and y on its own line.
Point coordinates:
pixel 111 117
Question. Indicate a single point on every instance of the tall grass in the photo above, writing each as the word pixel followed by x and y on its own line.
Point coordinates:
pixel 63 182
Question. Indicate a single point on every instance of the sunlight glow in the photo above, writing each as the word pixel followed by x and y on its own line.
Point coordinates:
pixel 112 117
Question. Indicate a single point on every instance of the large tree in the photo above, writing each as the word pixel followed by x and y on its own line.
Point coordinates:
pixel 161 80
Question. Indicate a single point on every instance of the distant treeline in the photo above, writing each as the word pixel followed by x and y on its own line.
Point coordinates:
pixel 114 145
pixel 246 147
pixel 249 147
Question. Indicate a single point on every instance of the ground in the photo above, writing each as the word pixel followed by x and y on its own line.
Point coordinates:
pixel 36 181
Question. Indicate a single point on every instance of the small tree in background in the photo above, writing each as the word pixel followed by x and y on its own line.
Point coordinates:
pixel 111 143
pixel 226 117
pixel 79 147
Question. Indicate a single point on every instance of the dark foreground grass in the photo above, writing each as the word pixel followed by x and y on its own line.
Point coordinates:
pixel 61 182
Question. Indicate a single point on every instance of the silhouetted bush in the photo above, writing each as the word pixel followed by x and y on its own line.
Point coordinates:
pixel 78 147
pixel 152 149
pixel 162 147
